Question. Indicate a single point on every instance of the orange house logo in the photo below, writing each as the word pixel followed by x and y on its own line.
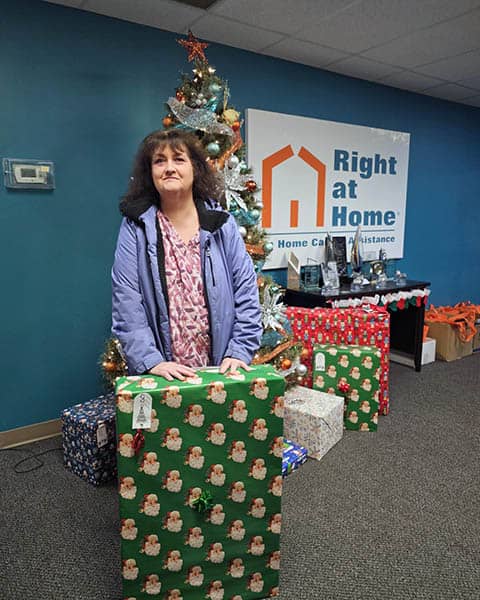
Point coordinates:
pixel 277 158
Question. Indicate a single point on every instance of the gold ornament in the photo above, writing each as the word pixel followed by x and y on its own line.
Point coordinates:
pixel 230 116
pixel 286 364
pixel 167 121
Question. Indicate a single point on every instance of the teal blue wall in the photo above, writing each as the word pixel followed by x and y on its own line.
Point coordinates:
pixel 82 90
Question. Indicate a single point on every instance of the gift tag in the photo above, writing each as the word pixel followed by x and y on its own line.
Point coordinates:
pixel 142 411
pixel 320 362
pixel 102 435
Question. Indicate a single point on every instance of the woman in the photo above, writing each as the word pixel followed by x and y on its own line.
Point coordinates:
pixel 184 288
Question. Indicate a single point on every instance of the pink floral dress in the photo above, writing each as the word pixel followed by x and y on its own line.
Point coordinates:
pixel 189 326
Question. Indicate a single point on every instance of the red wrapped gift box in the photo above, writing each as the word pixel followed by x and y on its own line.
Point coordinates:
pixel 361 326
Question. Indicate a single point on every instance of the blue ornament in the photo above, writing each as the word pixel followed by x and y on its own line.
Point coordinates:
pixel 255 214
pixel 243 216
pixel 258 266
pixel 268 246
pixel 213 149
pixel 270 338
pixel 214 88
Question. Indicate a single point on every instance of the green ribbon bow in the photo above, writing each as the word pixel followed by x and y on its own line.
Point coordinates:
pixel 203 503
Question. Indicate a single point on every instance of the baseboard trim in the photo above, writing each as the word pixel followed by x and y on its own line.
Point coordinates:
pixel 30 433
pixel 403 359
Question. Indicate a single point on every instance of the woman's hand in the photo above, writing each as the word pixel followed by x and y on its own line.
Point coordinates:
pixel 233 364
pixel 172 370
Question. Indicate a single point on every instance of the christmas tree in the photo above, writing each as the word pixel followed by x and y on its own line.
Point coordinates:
pixel 201 104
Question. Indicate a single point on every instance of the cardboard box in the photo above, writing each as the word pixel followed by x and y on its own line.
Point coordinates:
pixel 449 345
pixel 476 339
pixel 428 351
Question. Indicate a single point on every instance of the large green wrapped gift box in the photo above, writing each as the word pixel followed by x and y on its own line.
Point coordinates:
pixel 200 482
pixel 352 372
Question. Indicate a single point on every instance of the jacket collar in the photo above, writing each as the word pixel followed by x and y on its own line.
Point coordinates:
pixel 210 219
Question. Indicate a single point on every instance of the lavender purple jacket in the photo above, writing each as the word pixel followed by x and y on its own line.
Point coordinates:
pixel 140 302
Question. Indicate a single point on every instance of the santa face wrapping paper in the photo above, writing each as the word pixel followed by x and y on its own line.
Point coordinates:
pixel 88 439
pixel 313 419
pixel 353 372
pixel 200 503
pixel 358 326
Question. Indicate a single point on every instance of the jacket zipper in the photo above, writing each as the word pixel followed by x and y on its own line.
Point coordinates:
pixel 207 253
pixel 205 292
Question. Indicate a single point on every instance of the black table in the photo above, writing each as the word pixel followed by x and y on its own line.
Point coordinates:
pixel 406 326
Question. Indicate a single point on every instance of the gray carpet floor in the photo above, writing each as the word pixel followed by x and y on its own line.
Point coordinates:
pixel 392 515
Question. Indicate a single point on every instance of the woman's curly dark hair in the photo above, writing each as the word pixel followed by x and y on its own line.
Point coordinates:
pixel 141 187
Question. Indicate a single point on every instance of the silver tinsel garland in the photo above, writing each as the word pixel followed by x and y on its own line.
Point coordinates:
pixel 234 183
pixel 272 309
pixel 198 118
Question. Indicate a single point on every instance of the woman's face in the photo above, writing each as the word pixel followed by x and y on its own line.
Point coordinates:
pixel 172 171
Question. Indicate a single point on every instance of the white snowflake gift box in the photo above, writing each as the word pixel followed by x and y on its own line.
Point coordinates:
pixel 313 419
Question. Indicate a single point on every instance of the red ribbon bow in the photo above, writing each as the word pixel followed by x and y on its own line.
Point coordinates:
pixel 138 441
pixel 344 387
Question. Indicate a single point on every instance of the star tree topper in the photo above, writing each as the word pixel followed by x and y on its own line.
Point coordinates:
pixel 194 46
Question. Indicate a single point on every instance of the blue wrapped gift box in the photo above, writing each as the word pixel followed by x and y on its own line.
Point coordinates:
pixel 293 456
pixel 88 438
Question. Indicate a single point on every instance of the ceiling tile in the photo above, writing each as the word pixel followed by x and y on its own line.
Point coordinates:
pixel 304 52
pixel 471 82
pixel 456 36
pixel 167 14
pixel 350 31
pixel 357 66
pixel 454 68
pixel 224 31
pixel 284 16
pixel 451 91
pixel 475 101
pixel 369 23
pixel 71 3
pixel 199 3
pixel 415 15
pixel 407 80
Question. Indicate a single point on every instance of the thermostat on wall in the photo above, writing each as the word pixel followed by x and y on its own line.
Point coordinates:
pixel 28 174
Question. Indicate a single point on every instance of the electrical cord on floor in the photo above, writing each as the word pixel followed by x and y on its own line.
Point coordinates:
pixel 32 456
